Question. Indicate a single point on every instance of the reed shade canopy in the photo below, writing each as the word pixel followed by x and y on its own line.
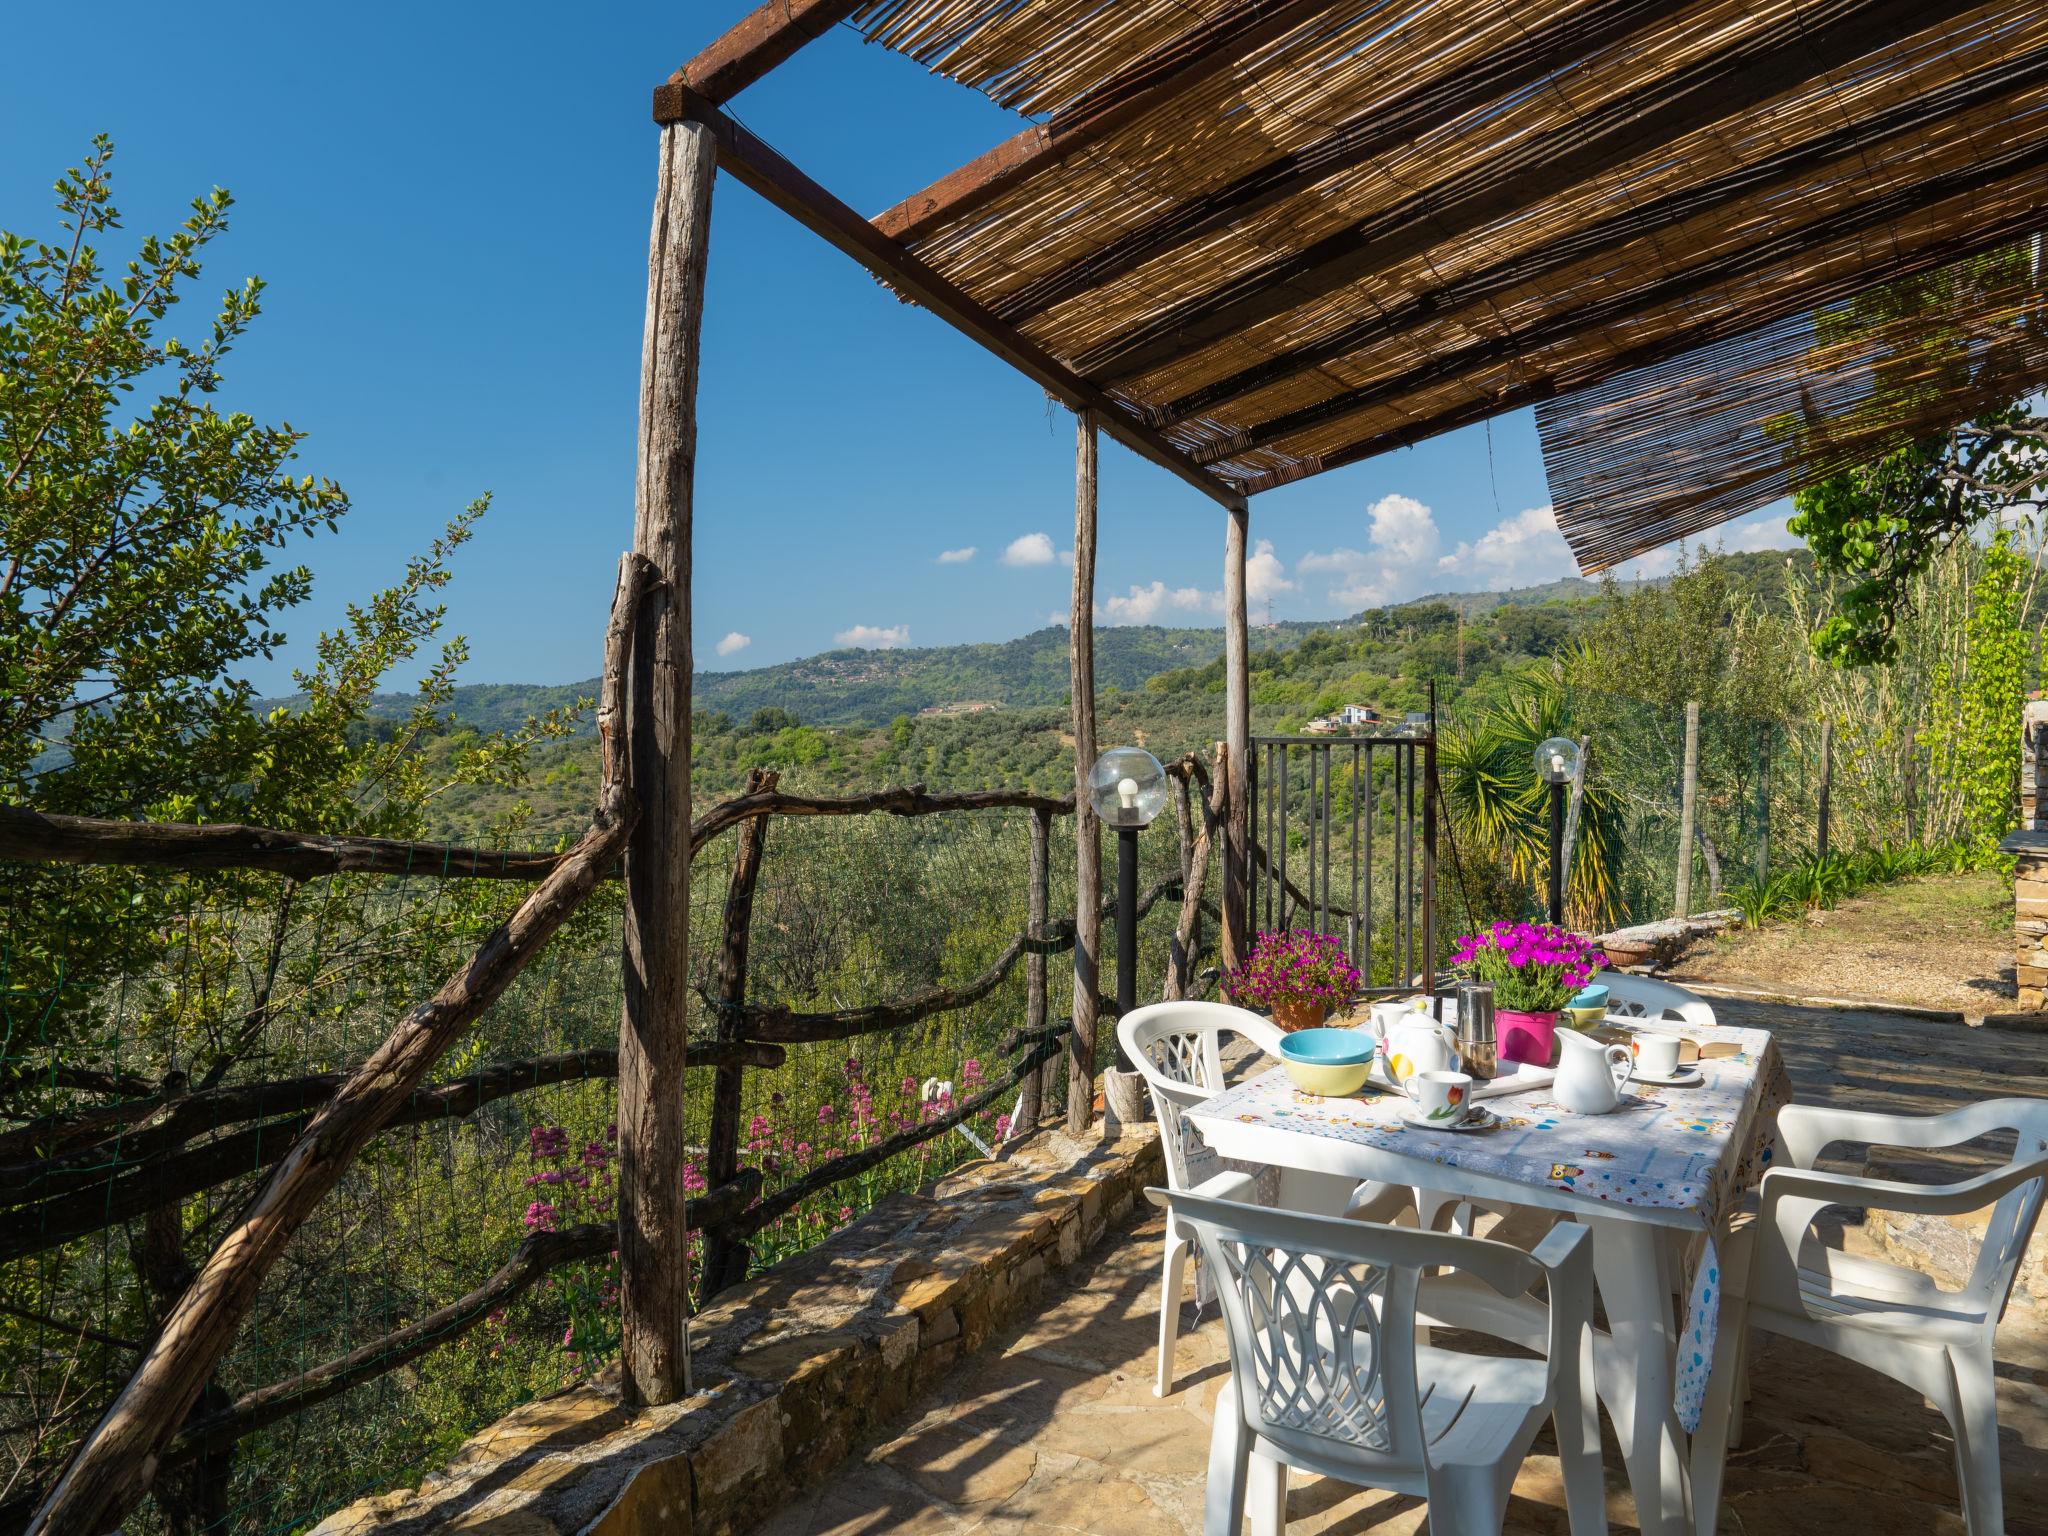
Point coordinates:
pixel 1287 235
pixel 1662 452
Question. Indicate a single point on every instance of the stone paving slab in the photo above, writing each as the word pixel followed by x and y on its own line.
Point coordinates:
pixel 1055 1428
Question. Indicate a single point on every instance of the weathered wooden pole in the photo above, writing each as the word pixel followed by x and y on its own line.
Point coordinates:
pixel 1037 1085
pixel 1237 744
pixel 1763 805
pixel 1087 830
pixel 1827 783
pixel 653 1278
pixel 725 1260
pixel 1688 795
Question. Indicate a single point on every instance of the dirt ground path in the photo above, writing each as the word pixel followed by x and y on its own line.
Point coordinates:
pixel 1944 941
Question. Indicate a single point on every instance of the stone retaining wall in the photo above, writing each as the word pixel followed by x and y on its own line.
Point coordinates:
pixel 2029 848
pixel 793 1368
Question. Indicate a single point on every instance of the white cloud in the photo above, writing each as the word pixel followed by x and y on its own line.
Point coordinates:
pixel 870 637
pixel 1523 551
pixel 1265 576
pixel 1404 540
pixel 735 641
pixel 958 556
pixel 1029 549
pixel 1761 532
pixel 1144 605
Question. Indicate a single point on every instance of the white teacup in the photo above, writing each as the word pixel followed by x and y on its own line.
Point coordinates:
pixel 1656 1055
pixel 1444 1096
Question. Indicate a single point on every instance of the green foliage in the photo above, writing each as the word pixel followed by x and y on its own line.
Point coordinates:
pixel 1700 637
pixel 1822 883
pixel 1879 526
pixel 1973 740
pixel 137 552
pixel 1499 806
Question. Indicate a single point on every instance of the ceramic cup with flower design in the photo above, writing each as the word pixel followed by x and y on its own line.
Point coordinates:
pixel 1443 1097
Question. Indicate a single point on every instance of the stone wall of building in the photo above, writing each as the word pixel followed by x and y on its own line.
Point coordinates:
pixel 2029 848
pixel 793 1368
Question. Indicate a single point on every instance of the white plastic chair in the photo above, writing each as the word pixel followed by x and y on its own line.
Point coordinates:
pixel 1893 1320
pixel 1327 1373
pixel 1645 997
pixel 1178 1046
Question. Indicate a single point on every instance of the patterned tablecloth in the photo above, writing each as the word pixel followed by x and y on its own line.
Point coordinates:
pixel 1686 1153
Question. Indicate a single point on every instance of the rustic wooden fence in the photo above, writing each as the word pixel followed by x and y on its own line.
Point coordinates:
pixel 1030 1049
pixel 125 1148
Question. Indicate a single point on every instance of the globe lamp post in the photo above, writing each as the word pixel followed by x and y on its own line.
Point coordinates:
pixel 1127 788
pixel 1557 764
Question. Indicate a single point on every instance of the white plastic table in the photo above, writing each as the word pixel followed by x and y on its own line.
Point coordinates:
pixel 1671 1160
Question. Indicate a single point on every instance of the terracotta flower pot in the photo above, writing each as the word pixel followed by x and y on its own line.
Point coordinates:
pixel 1293 1016
pixel 1530 1038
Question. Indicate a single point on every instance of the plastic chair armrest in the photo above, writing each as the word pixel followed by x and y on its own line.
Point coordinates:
pixel 1808 1184
pixel 1807 1130
pixel 1233 1184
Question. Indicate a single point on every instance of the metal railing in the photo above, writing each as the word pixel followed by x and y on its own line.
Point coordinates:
pixel 1344 843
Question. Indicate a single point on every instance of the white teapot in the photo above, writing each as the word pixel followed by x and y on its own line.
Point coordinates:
pixel 1589 1074
pixel 1411 1041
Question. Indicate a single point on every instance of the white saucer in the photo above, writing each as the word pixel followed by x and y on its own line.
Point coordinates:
pixel 1684 1077
pixel 1477 1118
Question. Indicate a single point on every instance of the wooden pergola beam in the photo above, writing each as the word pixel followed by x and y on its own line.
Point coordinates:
pixel 1428 305
pixel 1798 47
pixel 1786 300
pixel 1618 309
pixel 767 37
pixel 1178 64
pixel 1405 116
pixel 771 175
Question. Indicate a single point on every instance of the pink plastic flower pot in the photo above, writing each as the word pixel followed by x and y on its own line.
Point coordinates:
pixel 1530 1038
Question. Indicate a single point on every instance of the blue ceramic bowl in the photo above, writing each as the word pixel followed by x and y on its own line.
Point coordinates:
pixel 1331 1062
pixel 1589 1007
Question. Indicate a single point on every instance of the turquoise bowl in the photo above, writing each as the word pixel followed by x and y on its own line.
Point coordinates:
pixel 1588 1007
pixel 1330 1062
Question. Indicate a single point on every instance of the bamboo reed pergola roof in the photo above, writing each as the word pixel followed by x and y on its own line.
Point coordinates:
pixel 1268 238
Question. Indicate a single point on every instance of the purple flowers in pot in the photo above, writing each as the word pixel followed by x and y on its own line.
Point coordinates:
pixel 1534 967
pixel 1294 968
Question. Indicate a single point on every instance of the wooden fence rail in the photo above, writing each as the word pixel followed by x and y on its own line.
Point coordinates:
pixel 68 1173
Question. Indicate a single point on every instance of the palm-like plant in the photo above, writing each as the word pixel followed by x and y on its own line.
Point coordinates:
pixel 1496 802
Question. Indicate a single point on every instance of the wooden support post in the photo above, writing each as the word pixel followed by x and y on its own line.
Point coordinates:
pixel 1763 805
pixel 1038 1084
pixel 1087 830
pixel 1827 785
pixel 1688 795
pixel 1237 750
pixel 653 1278
pixel 725 1261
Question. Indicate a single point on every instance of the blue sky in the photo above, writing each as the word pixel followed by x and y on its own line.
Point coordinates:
pixel 450 206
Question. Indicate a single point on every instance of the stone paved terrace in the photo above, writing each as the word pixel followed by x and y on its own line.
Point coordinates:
pixel 1053 1427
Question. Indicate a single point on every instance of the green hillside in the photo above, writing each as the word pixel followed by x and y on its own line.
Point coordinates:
pixel 989 716
pixel 861 687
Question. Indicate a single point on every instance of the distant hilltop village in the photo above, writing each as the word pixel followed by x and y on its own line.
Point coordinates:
pixel 1347 717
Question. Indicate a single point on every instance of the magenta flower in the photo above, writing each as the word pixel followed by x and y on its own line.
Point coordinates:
pixel 1534 967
